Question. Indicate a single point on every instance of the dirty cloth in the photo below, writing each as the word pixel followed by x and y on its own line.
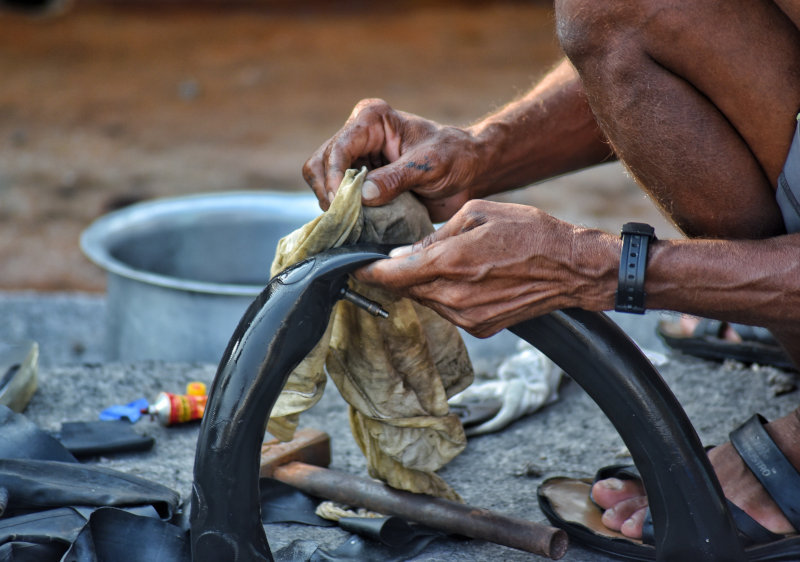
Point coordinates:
pixel 524 383
pixel 396 374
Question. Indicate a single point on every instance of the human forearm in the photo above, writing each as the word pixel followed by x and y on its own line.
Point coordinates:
pixel 495 264
pixel 549 131
pixel 748 281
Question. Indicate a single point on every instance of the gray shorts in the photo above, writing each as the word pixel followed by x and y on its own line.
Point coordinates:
pixel 788 194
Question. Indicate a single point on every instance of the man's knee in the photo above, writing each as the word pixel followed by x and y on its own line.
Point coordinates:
pixel 584 27
pixel 591 30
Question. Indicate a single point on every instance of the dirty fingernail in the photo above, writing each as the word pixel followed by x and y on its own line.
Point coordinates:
pixel 612 484
pixel 369 190
pixel 399 252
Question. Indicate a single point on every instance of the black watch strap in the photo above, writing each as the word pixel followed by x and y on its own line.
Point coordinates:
pixel 636 238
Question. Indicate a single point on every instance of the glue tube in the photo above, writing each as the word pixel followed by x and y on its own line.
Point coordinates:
pixel 171 409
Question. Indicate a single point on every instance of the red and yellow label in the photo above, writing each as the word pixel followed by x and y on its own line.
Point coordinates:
pixel 186 407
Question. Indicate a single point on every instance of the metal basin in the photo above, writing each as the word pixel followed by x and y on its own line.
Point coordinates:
pixel 182 271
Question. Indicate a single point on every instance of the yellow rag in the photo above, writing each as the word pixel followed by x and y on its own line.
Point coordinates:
pixel 396 374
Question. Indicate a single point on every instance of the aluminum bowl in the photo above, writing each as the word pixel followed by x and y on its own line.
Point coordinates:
pixel 181 271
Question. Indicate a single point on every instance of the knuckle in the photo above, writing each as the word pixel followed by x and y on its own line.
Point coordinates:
pixel 370 105
pixel 473 206
pixel 473 214
pixel 424 242
pixel 308 171
pixel 469 324
pixel 392 178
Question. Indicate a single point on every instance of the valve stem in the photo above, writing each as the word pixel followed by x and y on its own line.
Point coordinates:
pixel 363 302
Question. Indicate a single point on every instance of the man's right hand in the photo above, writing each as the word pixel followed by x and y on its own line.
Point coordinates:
pixel 403 152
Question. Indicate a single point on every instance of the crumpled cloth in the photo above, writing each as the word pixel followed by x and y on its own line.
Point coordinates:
pixel 396 374
pixel 524 383
pixel 334 511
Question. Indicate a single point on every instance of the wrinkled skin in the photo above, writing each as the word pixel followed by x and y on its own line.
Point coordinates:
pixel 698 100
pixel 405 153
pixel 479 247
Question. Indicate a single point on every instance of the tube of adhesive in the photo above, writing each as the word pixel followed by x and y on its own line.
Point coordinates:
pixel 171 409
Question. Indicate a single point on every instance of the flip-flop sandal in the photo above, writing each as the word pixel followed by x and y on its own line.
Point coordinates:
pixel 757 346
pixel 567 504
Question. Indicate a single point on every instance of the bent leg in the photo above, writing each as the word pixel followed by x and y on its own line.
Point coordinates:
pixel 698 99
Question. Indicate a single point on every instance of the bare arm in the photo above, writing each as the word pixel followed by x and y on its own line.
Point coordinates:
pixel 493 265
pixel 547 132
pixel 748 281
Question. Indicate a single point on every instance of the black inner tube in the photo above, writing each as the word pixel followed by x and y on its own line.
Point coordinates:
pixel 286 321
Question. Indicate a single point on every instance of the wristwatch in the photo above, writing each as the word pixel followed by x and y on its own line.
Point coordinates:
pixel 636 239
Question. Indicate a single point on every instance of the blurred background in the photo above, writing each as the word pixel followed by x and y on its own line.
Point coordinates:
pixel 106 103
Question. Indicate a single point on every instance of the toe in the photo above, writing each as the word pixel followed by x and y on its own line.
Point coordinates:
pixel 624 516
pixel 611 491
pixel 632 527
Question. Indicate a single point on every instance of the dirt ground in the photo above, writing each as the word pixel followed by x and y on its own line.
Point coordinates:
pixel 110 103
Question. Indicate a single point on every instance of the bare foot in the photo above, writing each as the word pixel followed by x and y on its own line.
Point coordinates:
pixel 687 325
pixel 626 505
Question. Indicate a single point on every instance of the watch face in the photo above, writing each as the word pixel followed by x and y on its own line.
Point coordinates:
pixel 638 228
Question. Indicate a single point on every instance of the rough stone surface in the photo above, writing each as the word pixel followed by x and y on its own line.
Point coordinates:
pixel 498 471
pixel 153 102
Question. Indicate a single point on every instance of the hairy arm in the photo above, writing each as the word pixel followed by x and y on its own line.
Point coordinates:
pixel 549 131
pixel 495 264
pixel 748 281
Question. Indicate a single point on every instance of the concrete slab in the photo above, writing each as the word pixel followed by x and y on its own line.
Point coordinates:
pixel 498 471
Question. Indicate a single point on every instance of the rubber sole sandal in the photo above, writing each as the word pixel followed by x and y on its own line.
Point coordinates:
pixel 757 345
pixel 567 504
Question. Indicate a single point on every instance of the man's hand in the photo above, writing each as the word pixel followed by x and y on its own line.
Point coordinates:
pixel 493 265
pixel 403 152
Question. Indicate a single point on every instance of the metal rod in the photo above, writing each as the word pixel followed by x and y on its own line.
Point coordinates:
pixel 363 302
pixel 437 513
